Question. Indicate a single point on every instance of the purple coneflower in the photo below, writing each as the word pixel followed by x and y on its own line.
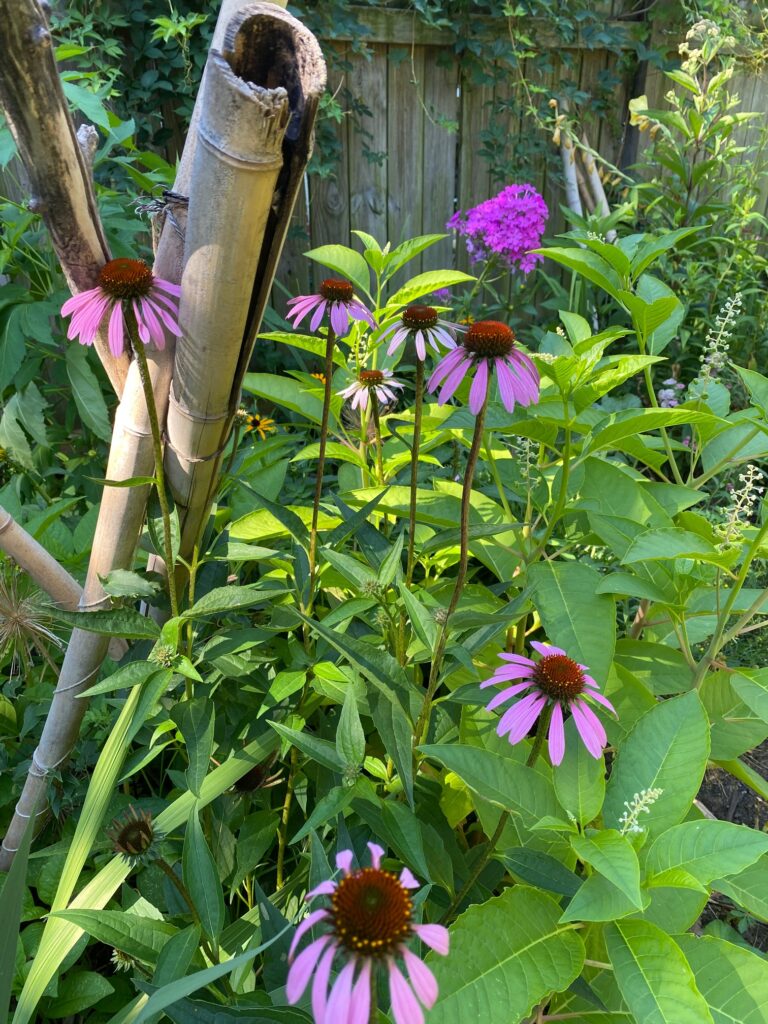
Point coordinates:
pixel 369 921
pixel 154 303
pixel 379 381
pixel 423 324
pixel 557 680
pixel 339 296
pixel 488 342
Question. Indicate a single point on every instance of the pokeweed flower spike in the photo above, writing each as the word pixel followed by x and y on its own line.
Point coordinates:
pixel 424 325
pixel 368 923
pixel 487 345
pixel 336 296
pixel 380 382
pixel 153 300
pixel 557 680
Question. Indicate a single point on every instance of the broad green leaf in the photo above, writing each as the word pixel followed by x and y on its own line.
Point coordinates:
pixel 87 103
pixel 627 424
pixel 320 750
pixel 333 450
pixel 139 937
pixel 748 888
pixel 663 669
pixel 87 392
pixel 600 900
pixel 579 779
pixel 588 265
pixel 124 622
pixel 707 849
pixel 421 618
pixel 733 980
pixel 407 250
pixel 573 615
pixel 500 780
pixel 736 724
pixel 542 870
pixel 285 391
pixel 350 738
pixel 651 249
pixel 78 992
pixel 751 685
pixel 667 749
pixel 648 316
pixel 201 878
pixel 126 676
pixel 345 261
pixel 757 385
pixel 653 976
pixel 672 542
pixel 195 720
pixel 124 583
pixel 506 956
pixel 614 857
pixel 430 281
pixel 308 343
pixel 13 348
pixel 226 599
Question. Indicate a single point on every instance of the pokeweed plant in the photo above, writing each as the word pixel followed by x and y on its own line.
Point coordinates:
pixel 323 692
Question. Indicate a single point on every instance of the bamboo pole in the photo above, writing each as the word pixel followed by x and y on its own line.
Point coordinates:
pixel 48 574
pixel 254 140
pixel 57 172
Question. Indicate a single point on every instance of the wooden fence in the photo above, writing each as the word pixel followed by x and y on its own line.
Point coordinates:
pixel 401 172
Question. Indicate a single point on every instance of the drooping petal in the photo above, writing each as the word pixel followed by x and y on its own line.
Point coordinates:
pixel 304 305
pixel 443 368
pixel 377 852
pixel 76 302
pixel 116 330
pixel 359 312
pixel 324 889
pixel 408 880
pixel 504 695
pixel 588 679
pixel 506 385
pixel 169 321
pixel 601 700
pixel 405 1006
pixel 479 389
pixel 512 672
pixel 452 381
pixel 435 936
pixel 519 659
pixel 556 735
pixel 302 967
pixel 361 398
pixel 444 337
pixel 337 1010
pixel 318 315
pixel 339 318
pixel 360 1004
pixel 421 350
pixel 545 649
pixel 151 322
pixel 422 979
pixel 320 984
pixel 87 321
pixel 309 921
pixel 344 860
pixel 397 340
pixel 166 286
pixel 590 728
pixel 517 722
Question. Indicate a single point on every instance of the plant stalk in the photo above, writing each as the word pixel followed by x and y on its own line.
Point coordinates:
pixel 415 447
pixel 328 372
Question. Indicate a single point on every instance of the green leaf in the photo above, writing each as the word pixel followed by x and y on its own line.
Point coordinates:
pixel 227 599
pixel 201 878
pixel 542 870
pixel 286 392
pixel 345 261
pixel 648 316
pixel 123 583
pixel 125 677
pixel 733 980
pixel 666 749
pixel 627 424
pixel 195 720
pixel 422 284
pixel 614 857
pixel 350 738
pixel 588 265
pixel 11 903
pixel 599 900
pixel 13 348
pixel 757 385
pixel 320 750
pixel 87 103
pixel 284 515
pixel 653 976
pixel 77 992
pixel 124 622
pixel 407 250
pixel 651 249
pixel 670 542
pixel 139 937
pixel 707 849
pixel 422 620
pixel 748 888
pixel 573 615
pixel 87 392
pixel 308 343
pixel 579 779
pixel 507 954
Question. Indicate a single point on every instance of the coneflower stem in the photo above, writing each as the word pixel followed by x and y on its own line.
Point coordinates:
pixel 328 373
pixel 282 835
pixel 415 446
pixel 461 576
pixel 377 436
pixel 157 445
pixel 487 853
pixel 182 890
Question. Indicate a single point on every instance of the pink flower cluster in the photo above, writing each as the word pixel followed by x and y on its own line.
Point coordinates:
pixel 509 225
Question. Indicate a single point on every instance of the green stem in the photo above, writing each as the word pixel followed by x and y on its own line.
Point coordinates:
pixel 282 835
pixel 562 497
pixel 415 446
pixel 664 436
pixel 328 372
pixel 182 890
pixel 377 436
pixel 157 445
pixel 461 576
pixel 487 853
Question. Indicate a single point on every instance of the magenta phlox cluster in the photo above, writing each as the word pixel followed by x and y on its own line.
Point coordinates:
pixel 508 225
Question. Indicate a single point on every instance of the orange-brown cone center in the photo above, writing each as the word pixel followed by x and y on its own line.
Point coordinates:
pixel 126 279
pixel 418 317
pixel 489 339
pixel 559 677
pixel 371 378
pixel 371 912
pixel 336 290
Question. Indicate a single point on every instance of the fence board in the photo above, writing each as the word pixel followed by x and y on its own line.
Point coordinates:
pixel 440 149
pixel 367 163
pixel 405 146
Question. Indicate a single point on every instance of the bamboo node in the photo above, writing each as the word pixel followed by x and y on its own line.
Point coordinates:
pixel 195 458
pixel 188 414
pixel 8 521
pixel 40 771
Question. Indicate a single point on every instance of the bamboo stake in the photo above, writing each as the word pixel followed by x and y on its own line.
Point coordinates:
pixel 32 98
pixel 48 574
pixel 598 191
pixel 254 143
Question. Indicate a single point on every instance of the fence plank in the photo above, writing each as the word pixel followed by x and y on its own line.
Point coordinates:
pixel 367 159
pixel 440 148
pixel 330 195
pixel 405 146
pixel 474 183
